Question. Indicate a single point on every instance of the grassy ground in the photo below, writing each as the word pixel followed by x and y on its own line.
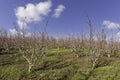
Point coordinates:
pixel 58 64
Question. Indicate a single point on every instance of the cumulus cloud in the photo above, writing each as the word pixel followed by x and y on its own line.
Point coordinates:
pixel 117 36
pixel 111 25
pixel 32 12
pixel 13 31
pixel 58 10
pixel 28 34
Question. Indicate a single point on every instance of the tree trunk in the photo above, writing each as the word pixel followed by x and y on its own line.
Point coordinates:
pixel 30 67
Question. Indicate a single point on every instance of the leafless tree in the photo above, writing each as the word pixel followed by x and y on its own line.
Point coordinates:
pixel 95 58
pixel 91 33
pixel 32 47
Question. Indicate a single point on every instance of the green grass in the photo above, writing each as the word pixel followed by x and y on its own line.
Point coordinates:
pixel 12 72
pixel 60 50
pixel 106 73
pixel 58 64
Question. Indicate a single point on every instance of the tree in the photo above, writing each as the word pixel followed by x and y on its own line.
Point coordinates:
pixel 31 47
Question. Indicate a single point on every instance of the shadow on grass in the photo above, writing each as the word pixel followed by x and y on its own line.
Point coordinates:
pixel 47 66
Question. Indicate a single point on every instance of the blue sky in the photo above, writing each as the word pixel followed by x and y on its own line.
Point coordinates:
pixel 72 18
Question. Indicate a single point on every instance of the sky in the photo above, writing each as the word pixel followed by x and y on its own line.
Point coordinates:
pixel 63 16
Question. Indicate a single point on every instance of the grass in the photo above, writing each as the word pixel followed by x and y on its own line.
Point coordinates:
pixel 58 64
pixel 11 72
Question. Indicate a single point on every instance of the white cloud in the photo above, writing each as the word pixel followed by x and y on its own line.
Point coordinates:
pixel 22 24
pixel 118 36
pixel 32 12
pixel 111 25
pixel 13 31
pixel 58 10
pixel 28 34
